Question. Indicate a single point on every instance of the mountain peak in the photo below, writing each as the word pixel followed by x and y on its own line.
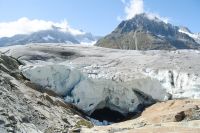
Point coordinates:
pixel 145 32
pixel 146 23
pixel 146 17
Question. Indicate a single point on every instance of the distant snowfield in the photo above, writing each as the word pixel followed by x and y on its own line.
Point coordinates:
pixel 91 77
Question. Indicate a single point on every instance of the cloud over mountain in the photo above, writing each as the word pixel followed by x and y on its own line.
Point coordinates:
pixel 135 7
pixel 27 26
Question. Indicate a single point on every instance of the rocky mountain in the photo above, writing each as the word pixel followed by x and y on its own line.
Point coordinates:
pixel 54 35
pixel 195 36
pixel 146 33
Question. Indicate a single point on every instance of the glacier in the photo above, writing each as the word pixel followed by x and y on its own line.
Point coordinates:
pixel 93 78
pixel 90 94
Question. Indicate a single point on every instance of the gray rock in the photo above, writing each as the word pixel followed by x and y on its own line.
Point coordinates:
pixel 19 108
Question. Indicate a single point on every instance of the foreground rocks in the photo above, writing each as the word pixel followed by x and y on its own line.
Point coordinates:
pixel 171 116
pixel 25 110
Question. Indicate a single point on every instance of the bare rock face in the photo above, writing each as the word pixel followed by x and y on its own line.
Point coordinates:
pixel 23 109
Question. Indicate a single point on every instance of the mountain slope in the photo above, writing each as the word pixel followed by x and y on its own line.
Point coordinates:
pixel 195 36
pixel 53 35
pixel 145 33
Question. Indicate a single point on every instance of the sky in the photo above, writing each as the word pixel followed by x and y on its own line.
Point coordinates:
pixel 99 17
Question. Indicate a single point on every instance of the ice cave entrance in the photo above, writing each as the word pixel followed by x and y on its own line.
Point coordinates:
pixel 106 114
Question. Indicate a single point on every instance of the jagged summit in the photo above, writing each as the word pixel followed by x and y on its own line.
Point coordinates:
pixel 143 22
pixel 144 32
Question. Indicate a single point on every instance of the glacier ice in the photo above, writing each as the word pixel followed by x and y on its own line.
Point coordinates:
pixel 90 94
pixel 178 84
pixel 58 78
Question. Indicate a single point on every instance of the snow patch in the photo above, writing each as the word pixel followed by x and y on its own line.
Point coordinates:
pixel 48 37
pixel 88 43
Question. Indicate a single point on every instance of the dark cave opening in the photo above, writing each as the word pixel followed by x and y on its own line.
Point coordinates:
pixel 108 115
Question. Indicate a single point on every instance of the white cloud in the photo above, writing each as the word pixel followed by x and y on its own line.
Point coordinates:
pixel 153 16
pixel 27 26
pixel 135 7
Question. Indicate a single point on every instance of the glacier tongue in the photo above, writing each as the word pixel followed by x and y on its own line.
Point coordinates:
pixel 89 94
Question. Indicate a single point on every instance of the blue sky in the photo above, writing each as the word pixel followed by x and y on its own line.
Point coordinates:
pixel 98 16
